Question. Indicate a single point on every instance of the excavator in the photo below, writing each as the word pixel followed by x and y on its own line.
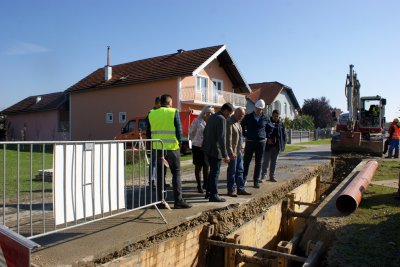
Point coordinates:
pixel 361 130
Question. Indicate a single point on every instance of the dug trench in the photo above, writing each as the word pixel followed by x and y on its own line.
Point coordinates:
pixel 261 221
pixel 229 219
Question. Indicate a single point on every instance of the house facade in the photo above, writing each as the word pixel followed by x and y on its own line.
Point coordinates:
pixel 39 118
pixel 276 96
pixel 102 102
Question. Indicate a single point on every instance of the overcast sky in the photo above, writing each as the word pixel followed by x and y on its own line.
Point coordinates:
pixel 47 46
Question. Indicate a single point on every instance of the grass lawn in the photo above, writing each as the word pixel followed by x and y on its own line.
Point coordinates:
pixel 371 236
pixel 26 160
pixel 298 146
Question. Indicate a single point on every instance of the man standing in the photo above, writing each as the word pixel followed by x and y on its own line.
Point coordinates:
pixel 214 147
pixel 253 126
pixel 276 141
pixel 152 169
pixel 234 173
pixel 164 123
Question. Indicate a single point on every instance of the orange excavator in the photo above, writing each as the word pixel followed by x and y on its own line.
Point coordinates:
pixel 361 130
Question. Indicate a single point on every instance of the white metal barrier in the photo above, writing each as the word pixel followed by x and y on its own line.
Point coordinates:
pixel 46 187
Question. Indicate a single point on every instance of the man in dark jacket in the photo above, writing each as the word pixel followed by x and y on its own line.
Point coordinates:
pixel 214 147
pixel 276 141
pixel 253 126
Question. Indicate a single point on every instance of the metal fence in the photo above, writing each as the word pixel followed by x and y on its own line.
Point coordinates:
pixel 297 136
pixel 46 187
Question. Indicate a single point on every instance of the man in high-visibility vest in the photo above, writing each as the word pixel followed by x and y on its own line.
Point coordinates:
pixel 164 124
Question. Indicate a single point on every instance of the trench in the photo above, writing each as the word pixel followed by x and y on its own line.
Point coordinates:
pixel 278 221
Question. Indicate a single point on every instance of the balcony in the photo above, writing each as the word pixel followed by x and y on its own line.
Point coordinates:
pixel 190 95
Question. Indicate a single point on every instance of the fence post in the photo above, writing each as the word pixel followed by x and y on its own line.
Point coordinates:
pixel 290 136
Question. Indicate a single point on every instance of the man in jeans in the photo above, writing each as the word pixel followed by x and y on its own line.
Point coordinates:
pixel 276 141
pixel 214 147
pixel 253 125
pixel 234 147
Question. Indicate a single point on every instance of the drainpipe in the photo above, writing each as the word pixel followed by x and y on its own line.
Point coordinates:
pixel 350 198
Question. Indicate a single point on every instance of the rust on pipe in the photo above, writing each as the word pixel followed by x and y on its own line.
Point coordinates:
pixel 350 198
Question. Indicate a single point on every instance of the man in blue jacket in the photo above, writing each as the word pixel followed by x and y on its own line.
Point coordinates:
pixel 253 126
pixel 276 141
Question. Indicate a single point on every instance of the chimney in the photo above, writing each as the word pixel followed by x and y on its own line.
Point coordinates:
pixel 38 99
pixel 180 51
pixel 108 68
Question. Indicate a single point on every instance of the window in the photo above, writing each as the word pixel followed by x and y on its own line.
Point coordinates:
pixel 109 117
pixel 142 124
pixel 285 106
pixel 202 86
pixel 277 106
pixel 122 117
pixel 217 89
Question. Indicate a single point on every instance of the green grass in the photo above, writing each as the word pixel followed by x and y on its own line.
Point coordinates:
pixel 371 235
pixel 325 141
pixel 387 170
pixel 12 174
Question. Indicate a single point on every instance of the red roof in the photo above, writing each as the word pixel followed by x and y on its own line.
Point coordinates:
pixel 182 63
pixel 268 91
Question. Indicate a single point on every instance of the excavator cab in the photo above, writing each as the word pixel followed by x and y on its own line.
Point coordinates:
pixel 361 129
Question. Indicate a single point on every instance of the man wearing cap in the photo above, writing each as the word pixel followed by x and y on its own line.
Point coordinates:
pixel 164 124
pixel 253 125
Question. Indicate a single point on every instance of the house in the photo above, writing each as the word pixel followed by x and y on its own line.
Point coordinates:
pixel 102 102
pixel 39 118
pixel 276 96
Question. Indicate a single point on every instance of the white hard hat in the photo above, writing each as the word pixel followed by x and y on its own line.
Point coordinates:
pixel 260 104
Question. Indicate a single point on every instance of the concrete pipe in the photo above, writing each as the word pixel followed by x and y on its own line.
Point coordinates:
pixel 350 198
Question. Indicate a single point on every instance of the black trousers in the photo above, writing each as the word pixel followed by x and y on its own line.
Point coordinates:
pixel 173 158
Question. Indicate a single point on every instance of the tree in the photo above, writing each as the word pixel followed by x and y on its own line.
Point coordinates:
pixel 303 122
pixel 320 110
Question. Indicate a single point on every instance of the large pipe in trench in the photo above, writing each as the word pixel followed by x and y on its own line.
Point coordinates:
pixel 350 198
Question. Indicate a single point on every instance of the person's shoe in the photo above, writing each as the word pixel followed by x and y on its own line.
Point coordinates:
pixel 216 198
pixel 200 190
pixel 264 177
pixel 243 193
pixel 207 195
pixel 260 181
pixel 232 193
pixel 257 185
pixel 182 204
pixel 273 180
pixel 388 157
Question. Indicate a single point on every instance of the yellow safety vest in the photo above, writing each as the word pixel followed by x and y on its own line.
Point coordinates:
pixel 162 127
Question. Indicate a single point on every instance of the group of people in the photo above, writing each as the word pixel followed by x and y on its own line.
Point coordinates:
pixel 216 137
pixel 220 137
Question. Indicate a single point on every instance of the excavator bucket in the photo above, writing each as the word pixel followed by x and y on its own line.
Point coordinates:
pixel 353 142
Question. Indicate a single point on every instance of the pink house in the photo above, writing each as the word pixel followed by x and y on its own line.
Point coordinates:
pixel 102 102
pixel 39 118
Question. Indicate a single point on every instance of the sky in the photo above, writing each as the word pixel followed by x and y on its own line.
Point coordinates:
pixel 46 46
